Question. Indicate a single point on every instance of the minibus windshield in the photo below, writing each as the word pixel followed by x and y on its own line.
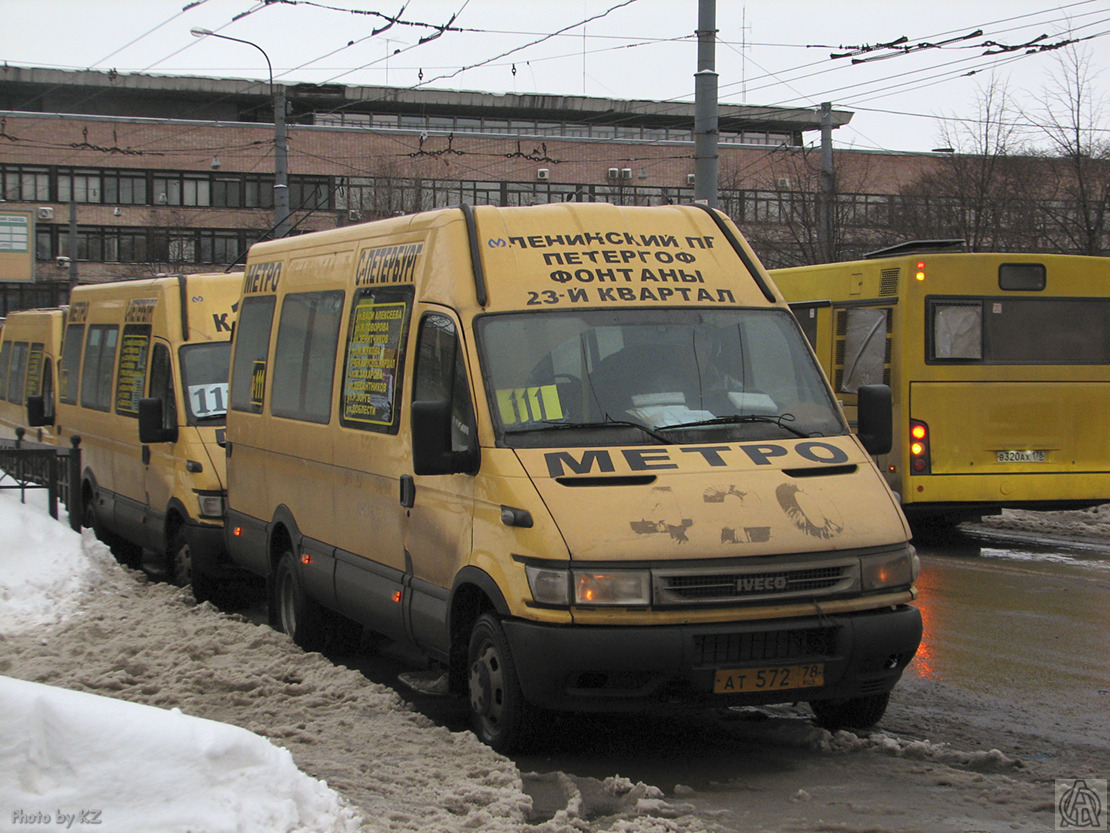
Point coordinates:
pixel 204 371
pixel 648 376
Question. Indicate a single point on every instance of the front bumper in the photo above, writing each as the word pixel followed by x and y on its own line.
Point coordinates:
pixel 635 668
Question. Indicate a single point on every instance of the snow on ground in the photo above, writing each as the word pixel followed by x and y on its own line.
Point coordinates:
pixel 74 757
pixel 1088 524
pixel 72 618
pixel 125 698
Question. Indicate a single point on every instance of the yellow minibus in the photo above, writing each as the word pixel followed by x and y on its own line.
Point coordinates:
pixel 142 380
pixel 580 455
pixel 29 348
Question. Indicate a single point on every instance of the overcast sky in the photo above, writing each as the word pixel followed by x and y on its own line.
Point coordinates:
pixel 769 52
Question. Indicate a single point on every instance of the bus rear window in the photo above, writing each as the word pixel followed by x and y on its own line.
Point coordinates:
pixel 1064 331
pixel 1027 277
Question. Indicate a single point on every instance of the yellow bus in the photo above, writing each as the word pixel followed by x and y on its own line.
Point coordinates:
pixel 999 365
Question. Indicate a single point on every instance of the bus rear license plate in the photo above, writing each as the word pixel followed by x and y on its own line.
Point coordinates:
pixel 1021 456
pixel 775 678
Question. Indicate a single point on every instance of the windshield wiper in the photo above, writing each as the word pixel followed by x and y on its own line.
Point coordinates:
pixel 551 425
pixel 738 419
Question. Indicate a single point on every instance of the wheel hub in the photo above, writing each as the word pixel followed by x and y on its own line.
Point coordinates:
pixel 485 684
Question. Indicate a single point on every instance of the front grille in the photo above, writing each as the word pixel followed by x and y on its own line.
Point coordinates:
pixel 752 582
pixel 764 646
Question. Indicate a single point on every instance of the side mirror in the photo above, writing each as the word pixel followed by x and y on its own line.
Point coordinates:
pixel 431 441
pixel 875 418
pixel 152 423
pixel 37 413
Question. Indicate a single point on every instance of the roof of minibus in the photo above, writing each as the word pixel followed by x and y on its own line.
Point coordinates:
pixel 32 324
pixel 208 299
pixel 561 254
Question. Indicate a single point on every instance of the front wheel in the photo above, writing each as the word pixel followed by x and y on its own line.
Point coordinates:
pixel 292 611
pixel 183 568
pixel 853 713
pixel 499 713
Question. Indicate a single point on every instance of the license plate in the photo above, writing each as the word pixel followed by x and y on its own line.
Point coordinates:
pixel 775 678
pixel 1021 456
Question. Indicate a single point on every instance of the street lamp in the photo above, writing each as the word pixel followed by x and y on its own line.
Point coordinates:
pixel 281 163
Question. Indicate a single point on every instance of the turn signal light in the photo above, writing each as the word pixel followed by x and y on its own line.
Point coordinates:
pixel 919 447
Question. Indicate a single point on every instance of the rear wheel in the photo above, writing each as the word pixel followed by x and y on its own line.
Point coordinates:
pixel 853 713
pixel 500 715
pixel 292 611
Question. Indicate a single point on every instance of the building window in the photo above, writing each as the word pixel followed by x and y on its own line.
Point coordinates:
pixel 78 186
pixel 124 188
pixel 227 192
pixel 219 247
pixel 258 192
pixel 23 184
pixel 309 193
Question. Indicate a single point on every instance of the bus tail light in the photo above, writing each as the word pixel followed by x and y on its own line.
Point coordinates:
pixel 919 272
pixel 919 447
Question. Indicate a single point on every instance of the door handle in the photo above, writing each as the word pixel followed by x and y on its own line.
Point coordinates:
pixel 408 491
pixel 146 455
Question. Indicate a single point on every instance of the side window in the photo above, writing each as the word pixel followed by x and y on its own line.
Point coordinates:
pixel 161 384
pixel 304 359
pixel 373 367
pixel 35 359
pixel 69 368
pixel 252 342
pixel 131 374
pixel 5 359
pixel 865 348
pixel 99 361
pixel 48 388
pixel 17 373
pixel 441 375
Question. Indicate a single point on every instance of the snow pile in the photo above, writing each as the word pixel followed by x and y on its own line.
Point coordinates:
pixel 1093 523
pixel 991 760
pixel 44 568
pixel 65 754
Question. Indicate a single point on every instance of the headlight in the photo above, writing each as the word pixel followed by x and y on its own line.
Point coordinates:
pixel 898 569
pixel 555 586
pixel 549 586
pixel 211 506
pixel 612 587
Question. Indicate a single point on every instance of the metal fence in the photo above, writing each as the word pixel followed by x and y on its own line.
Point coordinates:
pixel 27 465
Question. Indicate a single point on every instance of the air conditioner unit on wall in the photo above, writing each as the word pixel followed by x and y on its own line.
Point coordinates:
pixel 45 212
pixel 691 179
pixel 614 173
pixel 626 173
pixel 782 182
pixel 543 174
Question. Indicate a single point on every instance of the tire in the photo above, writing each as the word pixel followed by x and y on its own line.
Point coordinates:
pixel 292 611
pixel 183 571
pixel 500 716
pixel 854 713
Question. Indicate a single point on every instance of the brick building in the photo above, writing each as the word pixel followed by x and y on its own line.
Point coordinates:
pixel 176 174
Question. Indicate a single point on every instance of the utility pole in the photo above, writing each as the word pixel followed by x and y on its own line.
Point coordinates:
pixel 705 106
pixel 826 198
pixel 72 245
pixel 281 158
